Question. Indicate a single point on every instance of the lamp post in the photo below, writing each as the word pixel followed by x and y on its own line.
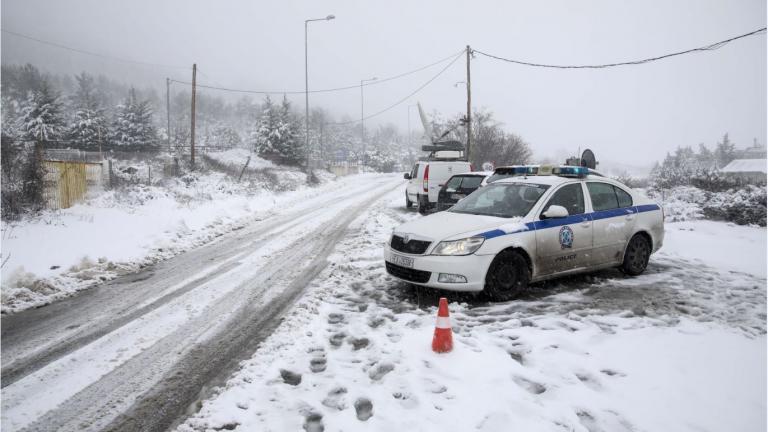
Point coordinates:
pixel 409 124
pixel 306 80
pixel 362 115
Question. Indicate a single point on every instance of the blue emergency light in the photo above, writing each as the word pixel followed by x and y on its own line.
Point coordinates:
pixel 570 171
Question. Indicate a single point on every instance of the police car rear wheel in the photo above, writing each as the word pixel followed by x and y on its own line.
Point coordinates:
pixel 637 255
pixel 507 277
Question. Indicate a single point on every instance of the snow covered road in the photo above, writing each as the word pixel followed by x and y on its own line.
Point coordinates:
pixel 135 353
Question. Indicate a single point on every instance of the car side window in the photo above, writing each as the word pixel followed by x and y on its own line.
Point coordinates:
pixel 453 184
pixel 603 196
pixel 625 199
pixel 415 171
pixel 569 196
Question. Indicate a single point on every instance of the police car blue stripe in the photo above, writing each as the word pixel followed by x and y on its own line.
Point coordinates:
pixel 647 207
pixel 554 223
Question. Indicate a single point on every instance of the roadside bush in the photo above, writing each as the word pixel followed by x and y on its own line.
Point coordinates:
pixel 681 203
pixel 745 206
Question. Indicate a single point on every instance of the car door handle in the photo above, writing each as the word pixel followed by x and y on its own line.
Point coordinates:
pixel 630 217
pixel 586 224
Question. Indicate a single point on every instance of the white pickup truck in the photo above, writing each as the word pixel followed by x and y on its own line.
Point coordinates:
pixel 427 177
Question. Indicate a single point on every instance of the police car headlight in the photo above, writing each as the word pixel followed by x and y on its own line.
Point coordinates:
pixel 459 247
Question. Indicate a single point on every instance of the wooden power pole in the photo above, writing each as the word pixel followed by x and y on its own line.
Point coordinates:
pixel 469 104
pixel 192 134
pixel 168 110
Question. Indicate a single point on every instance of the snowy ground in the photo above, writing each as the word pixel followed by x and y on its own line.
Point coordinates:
pixel 680 348
pixel 119 232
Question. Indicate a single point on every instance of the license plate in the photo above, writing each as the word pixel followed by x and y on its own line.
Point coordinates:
pixel 401 260
pixel 457 196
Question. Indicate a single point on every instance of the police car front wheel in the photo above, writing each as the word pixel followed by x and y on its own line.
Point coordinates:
pixel 507 277
pixel 636 256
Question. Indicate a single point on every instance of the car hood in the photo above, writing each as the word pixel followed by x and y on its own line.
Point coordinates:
pixel 451 226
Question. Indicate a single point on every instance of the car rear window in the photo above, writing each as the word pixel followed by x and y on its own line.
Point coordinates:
pixel 471 182
pixel 453 184
pixel 603 196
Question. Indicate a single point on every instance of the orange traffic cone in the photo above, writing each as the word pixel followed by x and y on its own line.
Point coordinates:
pixel 442 342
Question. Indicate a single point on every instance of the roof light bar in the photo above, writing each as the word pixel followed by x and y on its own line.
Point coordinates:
pixel 570 171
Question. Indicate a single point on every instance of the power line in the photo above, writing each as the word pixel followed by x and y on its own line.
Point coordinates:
pixel 356 86
pixel 77 50
pixel 709 47
pixel 405 98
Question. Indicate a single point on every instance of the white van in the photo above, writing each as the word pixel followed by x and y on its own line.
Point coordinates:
pixel 427 177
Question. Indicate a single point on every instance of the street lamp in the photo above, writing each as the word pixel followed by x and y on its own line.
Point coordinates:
pixel 409 124
pixel 306 80
pixel 362 115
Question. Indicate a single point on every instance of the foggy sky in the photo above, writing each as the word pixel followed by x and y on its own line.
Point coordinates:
pixel 631 114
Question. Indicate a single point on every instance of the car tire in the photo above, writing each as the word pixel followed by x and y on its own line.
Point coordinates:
pixel 423 205
pixel 636 255
pixel 507 277
pixel 408 203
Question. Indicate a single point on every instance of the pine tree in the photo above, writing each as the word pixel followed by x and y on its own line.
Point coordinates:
pixel 291 147
pixel 263 137
pixel 133 123
pixel 725 152
pixel 277 136
pixel 88 127
pixel 41 117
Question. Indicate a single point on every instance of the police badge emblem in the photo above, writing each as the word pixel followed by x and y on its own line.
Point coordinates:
pixel 566 237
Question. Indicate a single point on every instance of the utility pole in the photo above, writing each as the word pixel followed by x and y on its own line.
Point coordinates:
pixel 192 135
pixel 469 104
pixel 168 110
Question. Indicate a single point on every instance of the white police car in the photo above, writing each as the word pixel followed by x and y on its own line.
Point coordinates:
pixel 544 223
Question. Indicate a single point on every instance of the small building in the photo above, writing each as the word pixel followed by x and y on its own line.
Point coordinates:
pixel 752 171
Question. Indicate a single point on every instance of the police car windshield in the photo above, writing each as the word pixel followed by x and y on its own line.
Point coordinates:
pixel 501 200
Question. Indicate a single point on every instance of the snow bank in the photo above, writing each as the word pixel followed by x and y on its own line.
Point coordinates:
pixel 239 156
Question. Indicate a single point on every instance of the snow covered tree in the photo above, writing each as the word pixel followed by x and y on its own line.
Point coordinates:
pixel 725 151
pixel 263 136
pixel 226 137
pixel 277 135
pixel 292 147
pixel 10 123
pixel 132 125
pixel 41 116
pixel 89 126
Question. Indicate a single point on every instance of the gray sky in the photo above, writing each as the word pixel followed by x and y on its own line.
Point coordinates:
pixel 631 114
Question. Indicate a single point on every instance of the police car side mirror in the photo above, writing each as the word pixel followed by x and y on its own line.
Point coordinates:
pixel 555 211
pixel 407 176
